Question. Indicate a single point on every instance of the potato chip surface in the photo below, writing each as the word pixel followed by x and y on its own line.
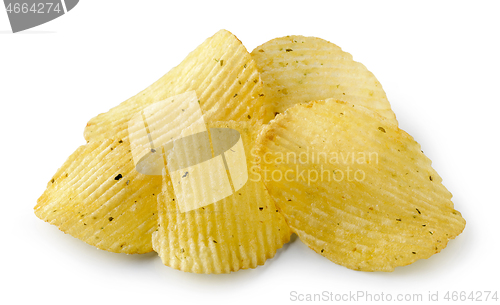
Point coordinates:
pixel 298 69
pixel 240 231
pixel 99 197
pixel 354 187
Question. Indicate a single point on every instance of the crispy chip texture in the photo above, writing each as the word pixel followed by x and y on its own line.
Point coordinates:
pixel 220 70
pixel 88 200
pixel 354 187
pixel 238 232
pixel 298 69
pixel 99 197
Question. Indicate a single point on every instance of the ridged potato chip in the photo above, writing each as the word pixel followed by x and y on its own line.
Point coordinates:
pixel 354 187
pixel 119 214
pixel 240 231
pixel 220 70
pixel 97 197
pixel 298 69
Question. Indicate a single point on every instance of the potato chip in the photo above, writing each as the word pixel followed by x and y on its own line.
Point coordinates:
pixel 354 187
pixel 298 69
pixel 240 231
pixel 99 198
pixel 104 200
pixel 220 70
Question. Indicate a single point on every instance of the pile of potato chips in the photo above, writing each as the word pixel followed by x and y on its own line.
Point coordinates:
pixel 324 159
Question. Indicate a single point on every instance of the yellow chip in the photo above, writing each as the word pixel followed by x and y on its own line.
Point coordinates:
pixel 97 197
pixel 354 187
pixel 112 215
pixel 240 231
pixel 220 71
pixel 298 69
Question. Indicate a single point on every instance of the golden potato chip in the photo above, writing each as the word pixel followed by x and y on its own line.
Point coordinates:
pixel 239 231
pixel 220 70
pixel 354 187
pixel 119 214
pixel 99 198
pixel 298 69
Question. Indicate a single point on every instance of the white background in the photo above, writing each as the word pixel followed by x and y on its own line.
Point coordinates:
pixel 437 61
